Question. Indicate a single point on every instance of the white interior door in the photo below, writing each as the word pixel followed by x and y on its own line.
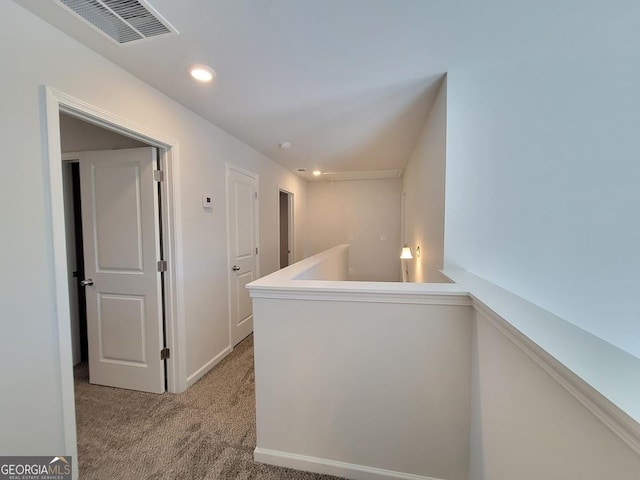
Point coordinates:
pixel 243 249
pixel 121 248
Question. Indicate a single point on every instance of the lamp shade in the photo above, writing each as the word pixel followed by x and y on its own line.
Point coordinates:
pixel 406 252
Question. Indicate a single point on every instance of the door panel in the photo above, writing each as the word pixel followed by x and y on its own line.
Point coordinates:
pixel 117 206
pixel 244 198
pixel 116 314
pixel 121 248
pixel 243 240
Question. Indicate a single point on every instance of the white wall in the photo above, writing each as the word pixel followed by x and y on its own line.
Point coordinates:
pixel 542 166
pixel 78 136
pixel 372 385
pixel 36 54
pixel 423 186
pixel 526 426
pixel 359 213
pixel 329 265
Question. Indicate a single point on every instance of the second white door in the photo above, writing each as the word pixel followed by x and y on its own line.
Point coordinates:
pixel 243 249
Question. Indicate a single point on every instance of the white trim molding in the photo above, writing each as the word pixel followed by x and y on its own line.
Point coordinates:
pixel 202 371
pixel 330 467
pixel 57 224
pixel 351 293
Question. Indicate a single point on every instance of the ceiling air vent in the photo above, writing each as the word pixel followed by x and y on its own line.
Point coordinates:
pixel 123 21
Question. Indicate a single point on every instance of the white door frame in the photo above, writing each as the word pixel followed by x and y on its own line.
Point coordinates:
pixel 228 168
pixel 292 246
pixel 55 102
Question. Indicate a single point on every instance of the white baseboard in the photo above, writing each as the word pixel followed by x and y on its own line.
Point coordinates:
pixel 330 467
pixel 198 374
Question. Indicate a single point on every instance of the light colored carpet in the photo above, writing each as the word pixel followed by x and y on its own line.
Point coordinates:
pixel 207 432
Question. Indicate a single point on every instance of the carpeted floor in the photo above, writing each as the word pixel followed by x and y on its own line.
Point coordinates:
pixel 207 432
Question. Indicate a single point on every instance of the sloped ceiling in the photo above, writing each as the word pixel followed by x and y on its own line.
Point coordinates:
pixel 348 82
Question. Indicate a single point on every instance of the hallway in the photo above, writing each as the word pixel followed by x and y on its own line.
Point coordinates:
pixel 207 432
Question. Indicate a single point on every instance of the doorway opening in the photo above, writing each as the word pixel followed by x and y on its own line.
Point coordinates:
pixel 285 219
pixel 55 103
pixel 79 138
pixel 75 256
pixel 114 230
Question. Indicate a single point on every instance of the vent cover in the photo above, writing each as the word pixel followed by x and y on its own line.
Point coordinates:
pixel 123 21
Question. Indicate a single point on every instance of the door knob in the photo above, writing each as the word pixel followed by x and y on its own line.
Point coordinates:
pixel 86 283
pixel 236 268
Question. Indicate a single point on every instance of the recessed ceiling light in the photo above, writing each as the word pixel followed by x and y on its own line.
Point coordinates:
pixel 202 73
pixel 317 173
pixel 285 145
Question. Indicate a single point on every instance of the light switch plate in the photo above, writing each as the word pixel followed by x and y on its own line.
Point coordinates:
pixel 207 201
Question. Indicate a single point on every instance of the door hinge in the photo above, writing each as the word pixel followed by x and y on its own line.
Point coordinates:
pixel 162 265
pixel 158 175
pixel 256 250
pixel 165 353
pixel 256 195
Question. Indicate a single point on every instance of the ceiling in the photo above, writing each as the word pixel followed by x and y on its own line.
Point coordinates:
pixel 348 82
